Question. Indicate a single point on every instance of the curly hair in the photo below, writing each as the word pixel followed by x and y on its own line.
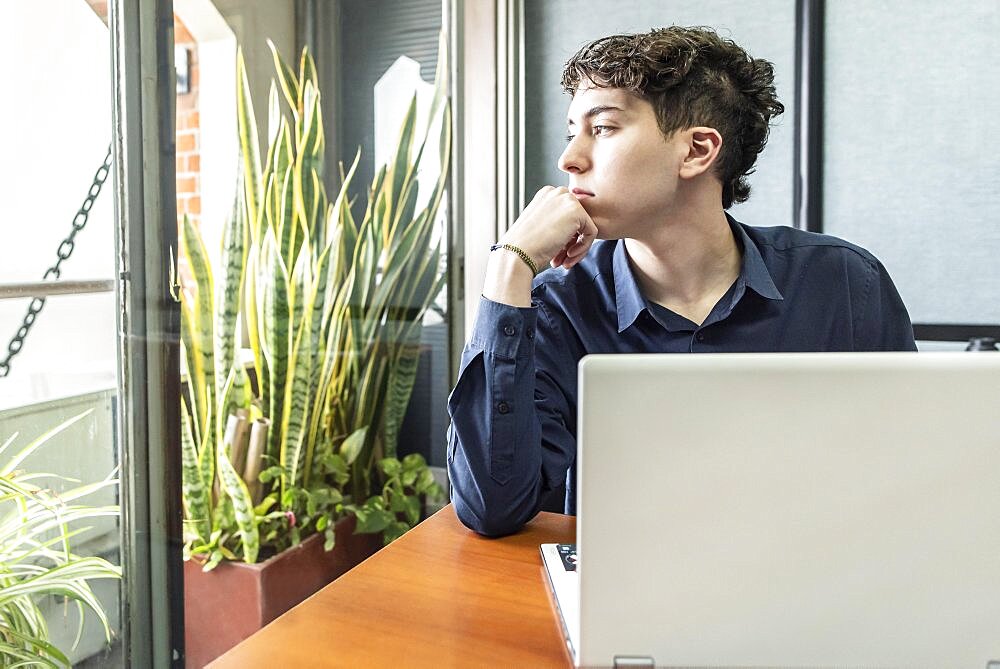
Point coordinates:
pixel 692 77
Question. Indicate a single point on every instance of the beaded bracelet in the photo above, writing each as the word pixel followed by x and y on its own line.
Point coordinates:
pixel 520 253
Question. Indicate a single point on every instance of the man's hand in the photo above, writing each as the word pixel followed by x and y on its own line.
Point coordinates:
pixel 554 228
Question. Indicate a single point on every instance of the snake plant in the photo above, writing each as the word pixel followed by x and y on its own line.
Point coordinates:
pixel 333 308
pixel 36 557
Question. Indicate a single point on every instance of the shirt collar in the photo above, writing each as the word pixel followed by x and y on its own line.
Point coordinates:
pixel 753 274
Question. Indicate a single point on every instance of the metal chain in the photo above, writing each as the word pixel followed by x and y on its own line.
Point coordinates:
pixel 64 251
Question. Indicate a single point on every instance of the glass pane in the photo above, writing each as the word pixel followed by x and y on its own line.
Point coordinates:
pixel 392 49
pixel 56 140
pixel 905 172
pixel 554 30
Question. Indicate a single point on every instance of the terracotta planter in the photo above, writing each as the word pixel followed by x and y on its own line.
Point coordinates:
pixel 228 604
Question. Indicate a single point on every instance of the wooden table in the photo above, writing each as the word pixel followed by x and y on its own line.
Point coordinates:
pixel 440 596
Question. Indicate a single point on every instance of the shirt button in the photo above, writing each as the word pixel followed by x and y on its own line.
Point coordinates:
pixel 701 336
pixel 503 407
pixel 530 334
pixel 509 330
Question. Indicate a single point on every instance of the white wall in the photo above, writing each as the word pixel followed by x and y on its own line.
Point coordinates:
pixel 254 22
pixel 218 27
pixel 57 121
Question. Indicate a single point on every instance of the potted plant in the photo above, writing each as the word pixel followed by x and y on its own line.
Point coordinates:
pixel 284 462
pixel 37 559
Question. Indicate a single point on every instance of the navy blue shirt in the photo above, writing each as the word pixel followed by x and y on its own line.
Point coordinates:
pixel 513 409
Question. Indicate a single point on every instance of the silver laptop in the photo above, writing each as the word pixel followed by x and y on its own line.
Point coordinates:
pixel 792 510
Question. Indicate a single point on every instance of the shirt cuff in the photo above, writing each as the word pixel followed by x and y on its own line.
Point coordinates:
pixel 505 331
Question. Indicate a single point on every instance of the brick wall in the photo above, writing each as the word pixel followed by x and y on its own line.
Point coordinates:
pixel 188 133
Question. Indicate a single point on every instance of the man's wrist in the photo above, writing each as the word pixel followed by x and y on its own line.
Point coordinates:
pixel 508 279
pixel 520 253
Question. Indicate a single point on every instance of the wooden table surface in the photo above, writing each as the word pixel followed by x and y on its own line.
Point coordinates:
pixel 440 596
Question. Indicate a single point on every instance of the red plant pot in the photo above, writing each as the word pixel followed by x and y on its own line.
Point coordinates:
pixel 228 604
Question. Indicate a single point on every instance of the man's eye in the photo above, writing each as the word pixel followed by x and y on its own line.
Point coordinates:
pixel 602 129
pixel 569 138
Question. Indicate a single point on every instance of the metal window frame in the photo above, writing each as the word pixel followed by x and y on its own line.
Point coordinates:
pixel 807 170
pixel 13 291
pixel 142 40
pixel 488 191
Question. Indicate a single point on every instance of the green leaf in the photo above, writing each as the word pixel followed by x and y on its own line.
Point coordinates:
pixel 412 510
pixel 351 448
pixel 371 521
pixel 391 466
pixel 414 461
pixel 397 502
pixel 393 531
pixel 425 480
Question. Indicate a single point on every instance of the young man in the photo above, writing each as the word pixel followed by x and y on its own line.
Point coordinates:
pixel 663 129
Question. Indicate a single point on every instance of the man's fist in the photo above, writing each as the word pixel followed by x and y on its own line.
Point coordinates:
pixel 554 228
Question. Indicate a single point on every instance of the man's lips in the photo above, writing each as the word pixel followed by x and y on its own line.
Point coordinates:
pixel 581 194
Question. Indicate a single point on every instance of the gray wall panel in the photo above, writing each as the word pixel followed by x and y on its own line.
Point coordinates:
pixel 911 165
pixel 555 29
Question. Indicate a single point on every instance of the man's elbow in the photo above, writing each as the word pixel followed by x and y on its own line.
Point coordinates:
pixel 485 523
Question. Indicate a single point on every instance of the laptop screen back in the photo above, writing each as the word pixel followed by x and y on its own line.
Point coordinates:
pixel 790 509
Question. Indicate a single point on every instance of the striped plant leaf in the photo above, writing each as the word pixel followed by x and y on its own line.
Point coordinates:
pixel 402 374
pixel 400 168
pixel 287 227
pixel 286 79
pixel 309 150
pixel 193 249
pixel 194 491
pixel 250 311
pixel 342 222
pixel 226 337
pixel 242 503
pixel 320 292
pixel 283 158
pixel 318 211
pixel 273 281
pixel 236 392
pixel 249 147
pixel 296 417
pixel 403 215
pixel 274 120
pixel 300 284
pixel 192 358
pixel 307 69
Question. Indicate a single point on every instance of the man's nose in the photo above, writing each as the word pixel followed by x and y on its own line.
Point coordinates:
pixel 573 158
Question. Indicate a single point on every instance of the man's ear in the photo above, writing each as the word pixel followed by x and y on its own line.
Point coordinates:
pixel 703 146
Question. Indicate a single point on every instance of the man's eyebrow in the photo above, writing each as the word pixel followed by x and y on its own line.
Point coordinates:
pixel 594 111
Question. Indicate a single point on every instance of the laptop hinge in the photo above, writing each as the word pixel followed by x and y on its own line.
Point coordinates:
pixel 629 661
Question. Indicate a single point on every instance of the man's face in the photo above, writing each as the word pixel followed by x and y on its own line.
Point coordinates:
pixel 618 155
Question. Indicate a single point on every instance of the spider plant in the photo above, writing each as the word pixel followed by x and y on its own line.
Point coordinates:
pixel 37 559
pixel 333 307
